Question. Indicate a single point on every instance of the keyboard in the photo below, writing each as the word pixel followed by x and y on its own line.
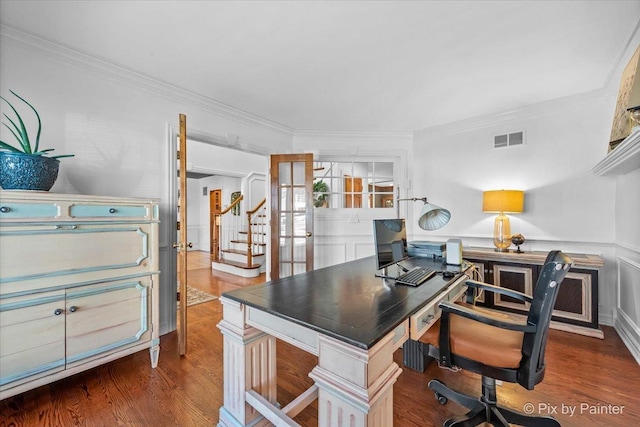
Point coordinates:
pixel 415 276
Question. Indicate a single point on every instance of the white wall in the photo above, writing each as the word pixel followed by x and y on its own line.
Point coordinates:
pixel 115 122
pixel 566 206
pixel 627 314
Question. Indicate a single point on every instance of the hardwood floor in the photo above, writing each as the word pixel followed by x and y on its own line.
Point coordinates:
pixel 589 376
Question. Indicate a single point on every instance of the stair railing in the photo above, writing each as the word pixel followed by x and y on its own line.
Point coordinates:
pixel 230 224
pixel 256 231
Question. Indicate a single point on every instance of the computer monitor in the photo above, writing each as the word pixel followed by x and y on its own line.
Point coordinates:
pixel 390 239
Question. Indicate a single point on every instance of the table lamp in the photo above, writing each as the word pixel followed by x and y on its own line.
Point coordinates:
pixel 431 217
pixel 501 202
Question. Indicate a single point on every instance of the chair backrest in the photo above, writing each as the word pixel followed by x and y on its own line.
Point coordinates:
pixel 554 270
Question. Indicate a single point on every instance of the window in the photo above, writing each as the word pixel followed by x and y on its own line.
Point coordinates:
pixel 350 184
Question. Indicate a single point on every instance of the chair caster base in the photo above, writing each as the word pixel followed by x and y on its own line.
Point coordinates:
pixel 485 410
pixel 441 399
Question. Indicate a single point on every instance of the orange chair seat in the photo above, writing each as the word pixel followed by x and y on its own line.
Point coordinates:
pixel 486 344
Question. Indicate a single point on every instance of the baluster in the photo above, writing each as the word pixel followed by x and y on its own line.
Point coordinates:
pixel 249 240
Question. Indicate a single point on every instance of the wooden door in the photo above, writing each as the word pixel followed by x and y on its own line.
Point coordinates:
pixel 181 245
pixel 291 183
pixel 215 207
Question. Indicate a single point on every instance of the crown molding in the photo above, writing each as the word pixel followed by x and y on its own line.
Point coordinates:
pixel 528 111
pixel 110 70
pixel 351 135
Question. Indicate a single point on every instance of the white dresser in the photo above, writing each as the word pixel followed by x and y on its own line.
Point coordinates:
pixel 78 284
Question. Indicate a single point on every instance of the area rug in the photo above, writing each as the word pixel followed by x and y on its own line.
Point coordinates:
pixel 196 296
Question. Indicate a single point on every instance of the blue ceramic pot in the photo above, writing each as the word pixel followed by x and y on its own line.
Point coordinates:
pixel 27 171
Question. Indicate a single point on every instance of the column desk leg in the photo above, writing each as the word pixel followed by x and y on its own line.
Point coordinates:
pixel 249 358
pixel 355 386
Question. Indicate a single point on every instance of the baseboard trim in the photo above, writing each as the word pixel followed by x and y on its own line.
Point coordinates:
pixel 605 319
pixel 629 334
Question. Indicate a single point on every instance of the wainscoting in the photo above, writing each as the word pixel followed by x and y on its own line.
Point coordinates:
pixel 627 312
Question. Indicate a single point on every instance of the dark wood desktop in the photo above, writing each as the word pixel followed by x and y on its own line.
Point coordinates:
pixel 352 320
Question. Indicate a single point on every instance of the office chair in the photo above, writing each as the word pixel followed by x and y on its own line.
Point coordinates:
pixel 496 345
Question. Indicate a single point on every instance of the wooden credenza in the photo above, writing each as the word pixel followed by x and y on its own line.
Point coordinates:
pixel 78 284
pixel 576 308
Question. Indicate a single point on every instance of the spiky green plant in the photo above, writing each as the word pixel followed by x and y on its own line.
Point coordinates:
pixel 19 130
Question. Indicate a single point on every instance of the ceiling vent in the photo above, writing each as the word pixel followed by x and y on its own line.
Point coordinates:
pixel 508 139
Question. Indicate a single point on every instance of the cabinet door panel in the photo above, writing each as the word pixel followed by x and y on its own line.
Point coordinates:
pixel 105 317
pixel 32 336
pixel 518 278
pixel 574 300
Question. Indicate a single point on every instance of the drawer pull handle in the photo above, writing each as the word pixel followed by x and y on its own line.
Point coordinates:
pixel 5 209
pixel 66 227
pixel 427 319
pixel 57 311
pixel 112 210
pixel 73 309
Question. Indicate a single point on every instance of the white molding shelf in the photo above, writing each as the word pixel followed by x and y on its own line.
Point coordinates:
pixel 623 159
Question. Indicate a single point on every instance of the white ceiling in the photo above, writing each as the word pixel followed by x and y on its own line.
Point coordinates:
pixel 351 65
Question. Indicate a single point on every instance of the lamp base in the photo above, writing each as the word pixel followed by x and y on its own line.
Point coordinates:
pixel 502 233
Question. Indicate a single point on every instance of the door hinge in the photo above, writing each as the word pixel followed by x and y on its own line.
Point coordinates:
pixel 178 155
pixel 178 296
pixel 178 225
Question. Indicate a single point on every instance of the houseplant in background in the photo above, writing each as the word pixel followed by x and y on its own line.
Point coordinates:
pixel 319 194
pixel 26 166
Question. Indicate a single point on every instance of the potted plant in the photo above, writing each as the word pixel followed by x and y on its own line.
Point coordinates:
pixel 26 166
pixel 320 189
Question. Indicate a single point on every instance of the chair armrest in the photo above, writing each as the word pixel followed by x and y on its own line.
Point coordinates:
pixel 497 289
pixel 482 318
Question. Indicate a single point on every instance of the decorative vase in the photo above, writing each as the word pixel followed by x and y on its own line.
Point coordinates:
pixel 20 171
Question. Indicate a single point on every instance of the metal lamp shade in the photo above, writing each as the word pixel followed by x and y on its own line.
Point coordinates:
pixel 433 217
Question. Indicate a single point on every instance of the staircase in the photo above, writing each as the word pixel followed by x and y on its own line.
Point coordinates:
pixel 242 240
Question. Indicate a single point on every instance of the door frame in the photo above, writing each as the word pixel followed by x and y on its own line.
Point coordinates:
pixel 168 306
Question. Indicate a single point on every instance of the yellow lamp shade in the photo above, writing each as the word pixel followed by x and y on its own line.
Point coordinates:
pixel 510 201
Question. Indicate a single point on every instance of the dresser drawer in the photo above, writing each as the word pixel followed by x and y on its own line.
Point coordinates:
pixel 71 254
pixel 109 211
pixel 13 210
pixel 422 320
